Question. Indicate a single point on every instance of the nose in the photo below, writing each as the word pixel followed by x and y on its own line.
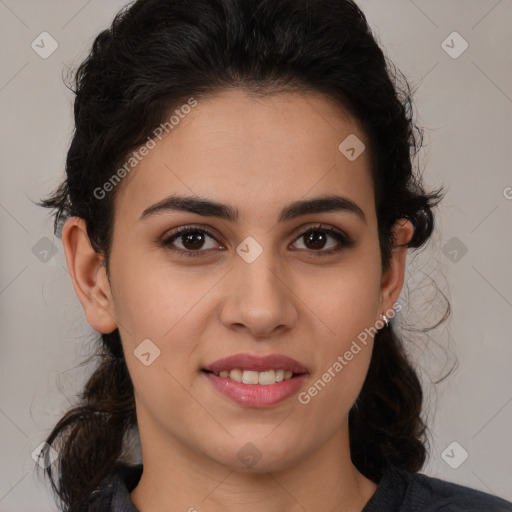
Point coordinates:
pixel 259 297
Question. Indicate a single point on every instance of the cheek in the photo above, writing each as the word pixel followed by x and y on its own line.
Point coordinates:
pixel 169 309
pixel 157 316
pixel 347 305
pixel 150 297
pixel 346 349
pixel 347 299
pixel 343 365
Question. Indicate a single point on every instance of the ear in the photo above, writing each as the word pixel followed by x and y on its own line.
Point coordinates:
pixel 393 278
pixel 88 273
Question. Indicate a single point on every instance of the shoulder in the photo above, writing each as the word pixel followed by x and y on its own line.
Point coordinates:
pixel 400 490
pixel 113 492
pixel 125 479
pixel 448 496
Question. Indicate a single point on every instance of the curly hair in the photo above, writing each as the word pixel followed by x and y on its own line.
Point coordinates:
pixel 156 55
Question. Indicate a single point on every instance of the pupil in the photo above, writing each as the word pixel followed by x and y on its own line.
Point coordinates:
pixel 189 238
pixel 317 240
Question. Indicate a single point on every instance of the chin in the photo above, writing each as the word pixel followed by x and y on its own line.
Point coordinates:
pixel 257 456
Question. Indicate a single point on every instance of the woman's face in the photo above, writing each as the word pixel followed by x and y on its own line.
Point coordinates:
pixel 258 283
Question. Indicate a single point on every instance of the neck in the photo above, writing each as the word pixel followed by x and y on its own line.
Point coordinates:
pixel 177 478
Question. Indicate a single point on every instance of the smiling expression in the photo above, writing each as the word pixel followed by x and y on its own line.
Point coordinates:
pixel 277 253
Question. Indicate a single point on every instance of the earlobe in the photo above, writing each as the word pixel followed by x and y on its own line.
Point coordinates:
pixel 393 278
pixel 89 276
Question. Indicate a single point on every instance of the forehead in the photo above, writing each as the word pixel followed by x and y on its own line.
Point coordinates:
pixel 254 153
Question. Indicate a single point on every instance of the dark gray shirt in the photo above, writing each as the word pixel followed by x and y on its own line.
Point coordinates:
pixel 398 491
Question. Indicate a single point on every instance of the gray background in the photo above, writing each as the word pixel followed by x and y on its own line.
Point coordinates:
pixel 464 103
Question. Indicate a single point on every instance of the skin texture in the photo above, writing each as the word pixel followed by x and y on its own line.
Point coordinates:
pixel 259 155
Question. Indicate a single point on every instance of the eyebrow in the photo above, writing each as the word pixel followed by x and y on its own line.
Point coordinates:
pixel 209 208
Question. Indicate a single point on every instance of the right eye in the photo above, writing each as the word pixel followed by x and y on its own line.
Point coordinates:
pixel 191 237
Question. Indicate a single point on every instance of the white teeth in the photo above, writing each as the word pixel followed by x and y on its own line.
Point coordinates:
pixel 265 378
pixel 249 377
pixel 235 375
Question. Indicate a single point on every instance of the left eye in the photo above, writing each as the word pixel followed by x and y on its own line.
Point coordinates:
pixel 317 236
pixel 193 239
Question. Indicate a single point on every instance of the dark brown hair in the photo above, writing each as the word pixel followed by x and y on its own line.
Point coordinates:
pixel 155 56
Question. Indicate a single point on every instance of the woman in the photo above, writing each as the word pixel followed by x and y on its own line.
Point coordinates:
pixel 239 202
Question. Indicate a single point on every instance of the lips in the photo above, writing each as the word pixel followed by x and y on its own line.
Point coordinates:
pixel 256 363
pixel 260 387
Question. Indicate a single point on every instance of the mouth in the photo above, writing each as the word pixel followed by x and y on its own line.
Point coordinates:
pixel 255 395
pixel 256 369
pixel 264 378
pixel 256 381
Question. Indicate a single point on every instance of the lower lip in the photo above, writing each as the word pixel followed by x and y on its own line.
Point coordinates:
pixel 256 395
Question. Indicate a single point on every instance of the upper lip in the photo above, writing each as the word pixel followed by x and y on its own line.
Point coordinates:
pixel 256 363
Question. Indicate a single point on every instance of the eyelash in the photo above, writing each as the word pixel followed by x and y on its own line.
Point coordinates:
pixel 341 237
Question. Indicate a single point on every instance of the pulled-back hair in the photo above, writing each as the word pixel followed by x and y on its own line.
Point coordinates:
pixel 157 55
